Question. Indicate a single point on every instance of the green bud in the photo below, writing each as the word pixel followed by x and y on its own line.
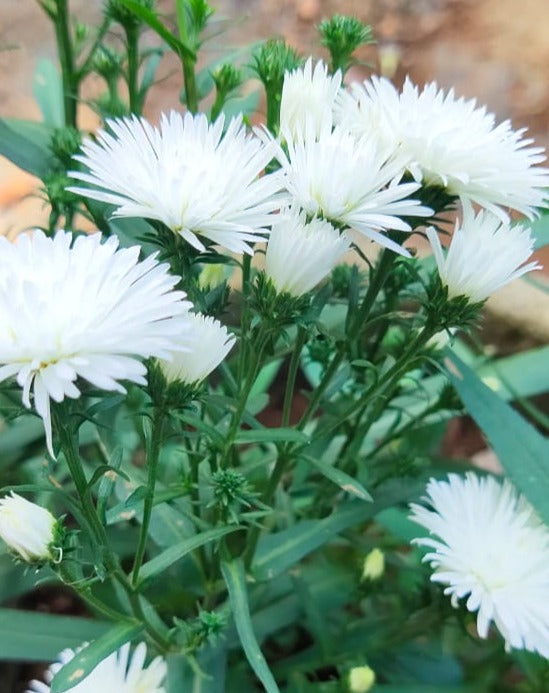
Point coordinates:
pixel 118 12
pixel 270 62
pixel 64 144
pixel 227 78
pixel 361 679
pixel 199 12
pixel 374 565
pixel 107 63
pixel 342 36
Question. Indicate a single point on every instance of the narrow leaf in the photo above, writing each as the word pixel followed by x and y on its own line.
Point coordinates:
pixel 150 18
pixel 522 451
pixel 87 659
pixel 33 636
pixel 26 144
pixel 235 579
pixel 174 553
pixel 339 478
pixel 48 92
pixel 271 435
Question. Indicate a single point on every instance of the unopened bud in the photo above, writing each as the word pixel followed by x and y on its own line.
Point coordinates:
pixel 374 565
pixel 29 530
pixel 361 679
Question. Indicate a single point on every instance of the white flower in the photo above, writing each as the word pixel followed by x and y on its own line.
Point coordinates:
pixel 117 673
pixel 89 311
pixel 451 142
pixel 350 182
pixel 490 546
pixel 28 529
pixel 308 94
pixel 300 254
pixel 187 174
pixel 205 346
pixel 483 256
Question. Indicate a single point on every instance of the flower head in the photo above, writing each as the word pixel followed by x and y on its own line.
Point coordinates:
pixel 82 310
pixel 118 672
pixel 490 547
pixel 451 142
pixel 350 182
pixel 201 350
pixel 28 529
pixel 300 253
pixel 483 256
pixel 308 94
pixel 188 174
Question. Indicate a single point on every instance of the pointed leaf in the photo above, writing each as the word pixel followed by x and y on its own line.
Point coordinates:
pixel 174 553
pixel 235 579
pixel 523 452
pixel 87 659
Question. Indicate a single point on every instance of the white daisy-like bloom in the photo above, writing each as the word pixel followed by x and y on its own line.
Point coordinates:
pixel 82 309
pixel 308 94
pixel 488 545
pixel 28 529
pixel 201 350
pixel 483 256
pixel 350 182
pixel 300 253
pixel 199 181
pixel 451 142
pixel 120 672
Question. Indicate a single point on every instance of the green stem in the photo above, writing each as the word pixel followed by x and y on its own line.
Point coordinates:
pixel 132 49
pixel 152 457
pixel 292 374
pixel 66 59
pixel 379 275
pixel 321 387
pixel 191 94
pixel 253 368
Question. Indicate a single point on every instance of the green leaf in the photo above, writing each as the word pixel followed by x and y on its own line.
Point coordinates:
pixel 26 144
pixel 87 659
pixel 235 579
pixel 520 375
pixel 522 451
pixel 540 230
pixel 271 435
pixel 48 92
pixel 32 636
pixel 165 559
pixel 339 478
pixel 281 550
pixel 150 18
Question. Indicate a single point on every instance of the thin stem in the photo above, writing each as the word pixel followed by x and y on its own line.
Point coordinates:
pixel 132 49
pixel 379 275
pixel 152 456
pixel 66 59
pixel 321 387
pixel 191 93
pixel 292 374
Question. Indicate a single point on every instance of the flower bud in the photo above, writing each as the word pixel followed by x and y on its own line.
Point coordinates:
pixel 28 529
pixel 374 565
pixel 203 349
pixel 301 254
pixel 361 679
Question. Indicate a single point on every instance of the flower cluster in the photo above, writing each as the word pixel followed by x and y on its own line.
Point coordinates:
pixel 488 545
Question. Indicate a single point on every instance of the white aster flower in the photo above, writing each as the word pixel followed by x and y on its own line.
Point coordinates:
pixel 28 529
pixel 489 546
pixel 349 181
pixel 117 673
pixel 300 254
pixel 451 142
pixel 308 94
pixel 188 174
pixel 89 311
pixel 483 256
pixel 201 350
